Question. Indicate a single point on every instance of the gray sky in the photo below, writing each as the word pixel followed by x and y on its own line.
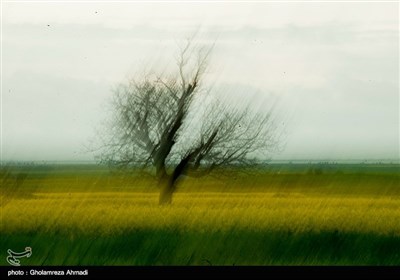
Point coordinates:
pixel 334 68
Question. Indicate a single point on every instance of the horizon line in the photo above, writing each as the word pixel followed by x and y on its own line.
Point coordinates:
pixel 350 160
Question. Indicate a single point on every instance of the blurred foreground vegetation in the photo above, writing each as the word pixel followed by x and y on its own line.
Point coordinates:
pixel 280 214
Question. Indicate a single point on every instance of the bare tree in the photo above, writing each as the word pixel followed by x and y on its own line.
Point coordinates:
pixel 158 124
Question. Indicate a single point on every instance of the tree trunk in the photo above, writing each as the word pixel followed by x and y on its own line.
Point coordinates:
pixel 168 182
pixel 166 192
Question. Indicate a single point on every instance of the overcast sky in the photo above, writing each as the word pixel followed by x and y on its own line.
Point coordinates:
pixel 333 67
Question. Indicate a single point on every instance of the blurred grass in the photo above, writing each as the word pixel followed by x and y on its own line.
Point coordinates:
pixel 232 247
pixel 86 215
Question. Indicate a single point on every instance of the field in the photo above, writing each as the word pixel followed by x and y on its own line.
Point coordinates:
pixel 292 214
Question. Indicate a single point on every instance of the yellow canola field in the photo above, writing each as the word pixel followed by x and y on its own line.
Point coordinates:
pixel 110 213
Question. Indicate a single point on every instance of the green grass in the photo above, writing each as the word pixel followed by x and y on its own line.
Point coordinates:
pixel 234 247
pixel 281 215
